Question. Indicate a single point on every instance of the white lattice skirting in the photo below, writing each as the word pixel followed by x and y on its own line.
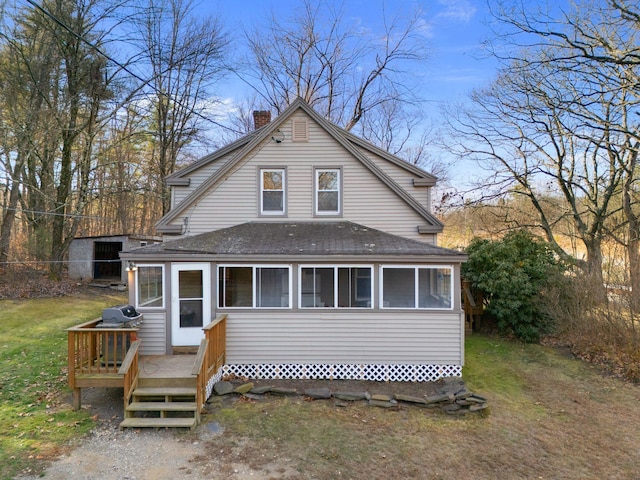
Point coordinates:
pixel 213 380
pixel 381 373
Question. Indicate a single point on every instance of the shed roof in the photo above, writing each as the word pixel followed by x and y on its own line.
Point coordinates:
pixel 300 238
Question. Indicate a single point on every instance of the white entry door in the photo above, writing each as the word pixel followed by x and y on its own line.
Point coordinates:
pixel 190 302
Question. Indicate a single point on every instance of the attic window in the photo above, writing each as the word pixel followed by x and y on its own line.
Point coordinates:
pixel 300 131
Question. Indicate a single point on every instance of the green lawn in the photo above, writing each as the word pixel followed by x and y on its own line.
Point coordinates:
pixel 549 416
pixel 35 418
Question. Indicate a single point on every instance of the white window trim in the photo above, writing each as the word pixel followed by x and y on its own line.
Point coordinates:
pixel 271 213
pixel 254 267
pixel 316 172
pixel 137 290
pixel 416 296
pixel 335 284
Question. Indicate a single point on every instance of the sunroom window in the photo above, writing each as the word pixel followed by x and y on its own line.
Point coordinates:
pixel 417 287
pixel 254 287
pixel 150 286
pixel 342 287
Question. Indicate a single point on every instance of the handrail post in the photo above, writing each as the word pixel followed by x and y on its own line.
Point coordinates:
pixel 130 371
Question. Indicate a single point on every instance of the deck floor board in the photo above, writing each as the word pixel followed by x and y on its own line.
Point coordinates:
pixel 166 366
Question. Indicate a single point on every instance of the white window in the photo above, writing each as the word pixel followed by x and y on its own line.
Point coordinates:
pixel 149 286
pixel 242 286
pixel 335 287
pixel 272 191
pixel 416 287
pixel 328 199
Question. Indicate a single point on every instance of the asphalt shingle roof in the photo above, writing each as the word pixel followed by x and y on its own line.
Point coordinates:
pixel 299 238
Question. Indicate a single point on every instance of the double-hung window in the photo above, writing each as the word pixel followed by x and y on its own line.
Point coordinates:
pixel 254 286
pixel 335 287
pixel 328 195
pixel 272 191
pixel 416 287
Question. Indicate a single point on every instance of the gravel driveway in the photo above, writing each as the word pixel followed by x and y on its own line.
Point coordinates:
pixel 109 453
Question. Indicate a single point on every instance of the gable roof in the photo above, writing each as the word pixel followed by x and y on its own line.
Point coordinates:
pixel 347 140
pixel 289 239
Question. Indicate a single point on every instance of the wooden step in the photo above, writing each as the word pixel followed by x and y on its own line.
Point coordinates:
pixel 136 422
pixel 162 407
pixel 156 382
pixel 165 392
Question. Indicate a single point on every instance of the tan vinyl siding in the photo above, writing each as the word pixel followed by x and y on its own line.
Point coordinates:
pixel 402 177
pixel 235 199
pixel 197 177
pixel 153 333
pixel 344 337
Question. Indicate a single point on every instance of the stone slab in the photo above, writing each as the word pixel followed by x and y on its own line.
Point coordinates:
pixel 223 388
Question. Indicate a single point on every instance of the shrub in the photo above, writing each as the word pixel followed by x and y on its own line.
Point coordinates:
pixel 514 273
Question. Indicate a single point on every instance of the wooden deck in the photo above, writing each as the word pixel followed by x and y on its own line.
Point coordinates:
pixel 164 384
pixel 166 366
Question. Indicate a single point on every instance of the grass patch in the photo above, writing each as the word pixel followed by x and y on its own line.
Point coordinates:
pixel 551 417
pixel 34 423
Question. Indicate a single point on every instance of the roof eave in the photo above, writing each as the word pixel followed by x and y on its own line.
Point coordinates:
pixel 284 258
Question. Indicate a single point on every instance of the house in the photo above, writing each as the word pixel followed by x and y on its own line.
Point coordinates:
pixel 319 249
pixel 98 257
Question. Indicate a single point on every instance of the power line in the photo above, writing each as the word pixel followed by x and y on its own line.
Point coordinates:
pixel 51 262
pixel 55 214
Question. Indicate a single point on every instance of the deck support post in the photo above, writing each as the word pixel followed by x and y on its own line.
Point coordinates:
pixel 77 399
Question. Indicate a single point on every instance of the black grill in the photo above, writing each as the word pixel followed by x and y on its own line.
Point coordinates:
pixel 120 316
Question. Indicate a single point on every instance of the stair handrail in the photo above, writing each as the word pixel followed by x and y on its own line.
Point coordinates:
pixel 200 366
pixel 129 369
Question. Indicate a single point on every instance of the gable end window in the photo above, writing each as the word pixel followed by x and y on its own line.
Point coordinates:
pixel 328 192
pixel 272 191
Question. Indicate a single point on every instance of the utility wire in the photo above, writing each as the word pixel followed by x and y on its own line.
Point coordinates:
pixel 55 214
pixel 49 262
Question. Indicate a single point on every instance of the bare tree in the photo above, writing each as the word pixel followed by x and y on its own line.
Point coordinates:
pixel 183 53
pixel 559 117
pixel 597 40
pixel 345 72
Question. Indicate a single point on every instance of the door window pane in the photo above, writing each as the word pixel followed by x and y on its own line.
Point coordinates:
pixel 190 313
pixel 190 284
pixel 190 291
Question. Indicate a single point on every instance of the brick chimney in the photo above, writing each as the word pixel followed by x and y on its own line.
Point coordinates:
pixel 261 118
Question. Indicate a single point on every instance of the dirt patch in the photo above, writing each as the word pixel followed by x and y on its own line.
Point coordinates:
pixel 20 284
pixel 208 452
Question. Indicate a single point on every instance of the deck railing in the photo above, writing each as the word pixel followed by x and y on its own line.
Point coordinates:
pixel 130 372
pixel 95 355
pixel 473 304
pixel 210 357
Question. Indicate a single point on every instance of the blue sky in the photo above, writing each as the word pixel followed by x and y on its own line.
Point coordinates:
pixel 454 30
